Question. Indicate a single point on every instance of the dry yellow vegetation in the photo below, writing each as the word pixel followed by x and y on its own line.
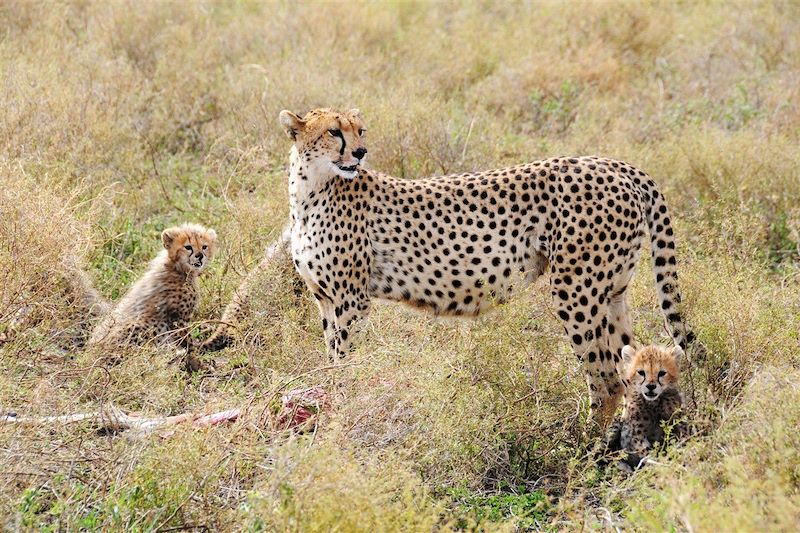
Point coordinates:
pixel 118 119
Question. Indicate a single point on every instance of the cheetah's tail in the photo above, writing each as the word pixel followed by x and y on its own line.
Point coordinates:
pixel 662 244
pixel 83 293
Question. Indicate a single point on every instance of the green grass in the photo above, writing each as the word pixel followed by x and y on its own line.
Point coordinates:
pixel 528 510
pixel 117 121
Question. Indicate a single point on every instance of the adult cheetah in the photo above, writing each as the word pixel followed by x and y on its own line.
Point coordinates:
pixel 456 245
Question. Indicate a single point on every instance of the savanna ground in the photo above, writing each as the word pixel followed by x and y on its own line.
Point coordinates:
pixel 120 119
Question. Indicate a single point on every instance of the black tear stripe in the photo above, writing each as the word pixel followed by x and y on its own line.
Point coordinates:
pixel 341 136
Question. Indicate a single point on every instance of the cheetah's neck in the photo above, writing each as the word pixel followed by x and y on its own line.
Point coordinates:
pixel 305 180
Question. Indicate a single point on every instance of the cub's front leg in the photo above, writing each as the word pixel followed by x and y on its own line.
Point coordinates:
pixel 634 439
pixel 673 415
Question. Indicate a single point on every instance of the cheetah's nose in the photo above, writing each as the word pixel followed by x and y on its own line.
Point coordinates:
pixel 199 255
pixel 359 153
pixel 651 386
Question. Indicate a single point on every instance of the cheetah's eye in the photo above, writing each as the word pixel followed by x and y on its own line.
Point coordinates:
pixel 361 131
pixel 205 247
pixel 662 373
pixel 335 133
pixel 641 373
pixel 188 247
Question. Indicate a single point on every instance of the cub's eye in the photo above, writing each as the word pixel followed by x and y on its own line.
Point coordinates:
pixel 188 247
pixel 205 247
pixel 641 373
pixel 361 131
pixel 662 373
pixel 335 133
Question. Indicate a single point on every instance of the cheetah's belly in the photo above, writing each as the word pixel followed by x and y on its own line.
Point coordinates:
pixel 458 282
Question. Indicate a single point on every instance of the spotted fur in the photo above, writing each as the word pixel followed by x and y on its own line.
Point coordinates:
pixel 456 245
pixel 160 305
pixel 652 399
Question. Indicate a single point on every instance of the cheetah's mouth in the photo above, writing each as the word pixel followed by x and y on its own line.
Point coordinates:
pixel 351 168
pixel 347 172
pixel 651 395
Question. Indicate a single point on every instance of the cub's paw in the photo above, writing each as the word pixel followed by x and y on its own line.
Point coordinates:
pixel 216 343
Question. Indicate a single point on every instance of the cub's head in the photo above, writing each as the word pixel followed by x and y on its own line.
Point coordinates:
pixel 328 142
pixel 652 369
pixel 189 247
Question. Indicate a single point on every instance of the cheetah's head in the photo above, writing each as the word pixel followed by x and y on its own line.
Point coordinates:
pixel 652 369
pixel 329 142
pixel 190 247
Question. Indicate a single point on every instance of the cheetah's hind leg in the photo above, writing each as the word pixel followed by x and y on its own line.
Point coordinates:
pixel 275 266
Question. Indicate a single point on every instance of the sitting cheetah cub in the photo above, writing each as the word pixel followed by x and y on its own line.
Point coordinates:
pixel 652 397
pixel 159 306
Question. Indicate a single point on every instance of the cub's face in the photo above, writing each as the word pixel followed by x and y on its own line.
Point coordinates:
pixel 328 142
pixel 652 369
pixel 190 247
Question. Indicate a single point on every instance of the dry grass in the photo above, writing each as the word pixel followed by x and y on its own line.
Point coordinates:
pixel 119 119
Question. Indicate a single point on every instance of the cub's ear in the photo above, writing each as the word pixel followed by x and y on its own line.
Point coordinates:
pixel 680 355
pixel 292 124
pixel 212 235
pixel 167 236
pixel 355 112
pixel 627 354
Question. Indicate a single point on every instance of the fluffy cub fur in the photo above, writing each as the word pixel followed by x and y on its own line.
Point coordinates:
pixel 652 399
pixel 159 306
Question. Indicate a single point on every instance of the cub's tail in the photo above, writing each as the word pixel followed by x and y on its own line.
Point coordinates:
pixel 85 295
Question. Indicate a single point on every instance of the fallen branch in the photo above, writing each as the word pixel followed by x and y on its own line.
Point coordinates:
pixel 298 411
pixel 111 418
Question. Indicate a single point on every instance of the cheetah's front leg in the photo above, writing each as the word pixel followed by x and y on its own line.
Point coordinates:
pixel 673 414
pixel 340 321
pixel 635 439
pixel 328 316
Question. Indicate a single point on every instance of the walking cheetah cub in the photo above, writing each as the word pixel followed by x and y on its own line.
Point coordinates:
pixel 159 306
pixel 652 398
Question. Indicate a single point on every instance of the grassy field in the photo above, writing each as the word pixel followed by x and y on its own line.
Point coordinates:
pixel 118 119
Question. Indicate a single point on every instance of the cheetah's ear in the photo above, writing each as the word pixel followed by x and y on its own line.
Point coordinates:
pixel 627 354
pixel 212 235
pixel 679 355
pixel 355 112
pixel 167 236
pixel 292 124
